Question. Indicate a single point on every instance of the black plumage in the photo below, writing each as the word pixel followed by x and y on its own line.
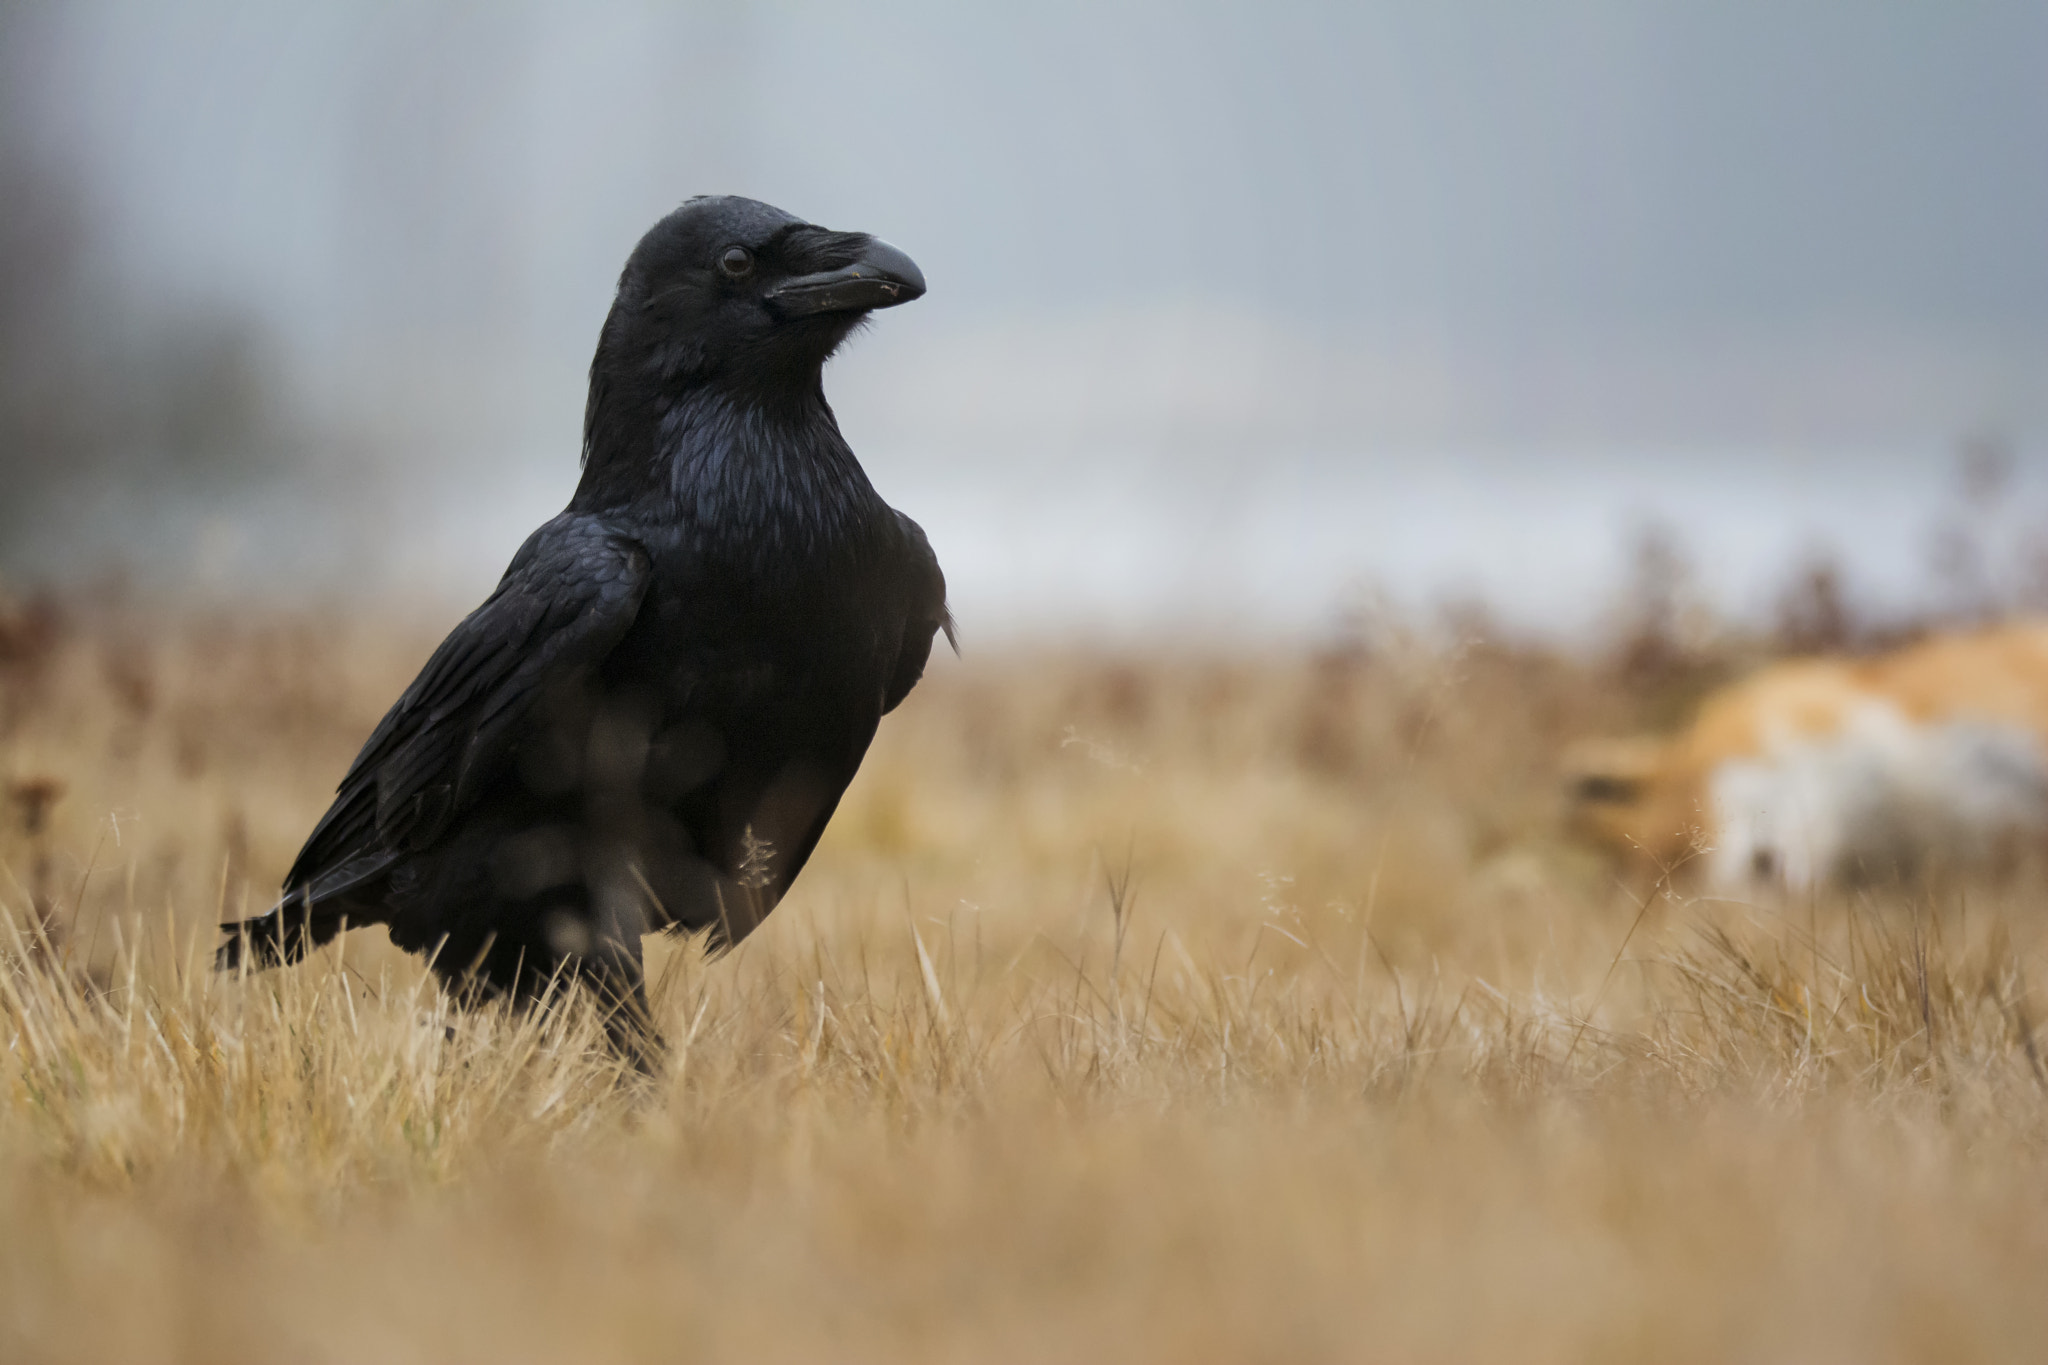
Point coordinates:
pixel 649 722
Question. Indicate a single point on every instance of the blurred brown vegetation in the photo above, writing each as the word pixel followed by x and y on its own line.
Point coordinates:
pixel 1171 1007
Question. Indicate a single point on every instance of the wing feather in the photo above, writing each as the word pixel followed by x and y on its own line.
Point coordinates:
pixel 927 616
pixel 567 599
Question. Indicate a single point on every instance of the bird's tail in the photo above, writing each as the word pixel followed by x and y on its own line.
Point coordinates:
pixel 292 928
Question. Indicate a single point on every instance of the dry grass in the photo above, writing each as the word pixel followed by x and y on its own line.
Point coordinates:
pixel 1177 1009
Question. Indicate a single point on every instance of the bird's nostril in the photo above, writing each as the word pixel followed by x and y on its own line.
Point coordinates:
pixel 1763 864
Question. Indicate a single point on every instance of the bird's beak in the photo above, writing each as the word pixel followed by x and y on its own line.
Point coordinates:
pixel 882 278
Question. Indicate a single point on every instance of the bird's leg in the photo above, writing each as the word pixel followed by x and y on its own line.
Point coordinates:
pixel 613 966
pixel 620 984
pixel 615 765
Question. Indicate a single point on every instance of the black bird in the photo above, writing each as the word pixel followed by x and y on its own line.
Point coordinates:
pixel 650 720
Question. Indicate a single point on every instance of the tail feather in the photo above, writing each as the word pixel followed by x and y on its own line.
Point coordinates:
pixel 281 936
pixel 309 915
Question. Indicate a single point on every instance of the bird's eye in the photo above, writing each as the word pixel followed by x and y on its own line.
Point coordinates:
pixel 737 261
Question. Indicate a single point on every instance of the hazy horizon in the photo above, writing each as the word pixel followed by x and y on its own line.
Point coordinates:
pixel 1235 313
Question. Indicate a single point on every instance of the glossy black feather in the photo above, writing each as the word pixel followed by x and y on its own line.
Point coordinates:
pixel 651 719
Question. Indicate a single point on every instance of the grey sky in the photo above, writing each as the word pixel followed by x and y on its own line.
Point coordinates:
pixel 1714 235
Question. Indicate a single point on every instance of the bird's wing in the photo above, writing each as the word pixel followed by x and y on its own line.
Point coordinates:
pixel 927 616
pixel 566 600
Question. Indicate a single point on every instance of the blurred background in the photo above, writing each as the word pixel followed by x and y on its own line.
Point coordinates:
pixel 1243 318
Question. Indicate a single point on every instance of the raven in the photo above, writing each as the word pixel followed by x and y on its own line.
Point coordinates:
pixel 650 720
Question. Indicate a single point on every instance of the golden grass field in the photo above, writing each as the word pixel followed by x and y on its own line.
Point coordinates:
pixel 1172 1008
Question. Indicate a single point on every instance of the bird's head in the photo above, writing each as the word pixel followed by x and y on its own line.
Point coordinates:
pixel 735 292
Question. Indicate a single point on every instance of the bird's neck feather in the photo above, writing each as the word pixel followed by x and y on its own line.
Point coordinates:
pixel 740 462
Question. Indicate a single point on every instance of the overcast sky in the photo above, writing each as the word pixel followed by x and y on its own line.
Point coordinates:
pixel 1450 290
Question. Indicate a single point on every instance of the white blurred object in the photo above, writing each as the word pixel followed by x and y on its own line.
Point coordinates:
pixel 1882 796
pixel 1835 770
